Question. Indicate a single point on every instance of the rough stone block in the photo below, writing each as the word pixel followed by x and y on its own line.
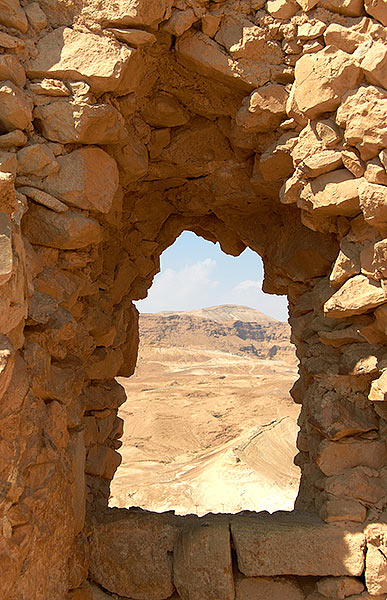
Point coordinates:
pixel 6 253
pixel 15 108
pixel 335 193
pixel 12 15
pixel 296 545
pixel 355 297
pixel 335 457
pixel 273 588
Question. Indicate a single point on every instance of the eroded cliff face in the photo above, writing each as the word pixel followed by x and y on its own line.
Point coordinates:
pixel 122 124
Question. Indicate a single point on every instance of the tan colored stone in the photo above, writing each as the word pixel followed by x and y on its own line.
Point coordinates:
pixel 12 15
pixel 68 122
pixel 165 110
pixel 137 38
pixel 328 132
pixel 202 565
pixel 37 159
pixel 374 64
pixel 339 587
pixel 265 546
pixel 346 265
pixel 349 8
pixel 104 363
pixel 334 457
pixel 36 17
pixel 275 588
pixel 264 109
pixel 321 162
pixel 375 172
pixel 9 41
pixel 13 139
pixel 355 297
pixel 343 510
pixel 43 198
pixel 87 179
pixel 276 162
pixel 373 201
pixel 12 70
pixel 346 37
pixel 180 21
pixel 130 554
pixel 376 564
pixel 362 115
pixel 282 9
pixel 160 139
pixel 334 193
pixel 311 30
pixel 50 87
pixel 360 483
pixel 102 461
pixel 352 162
pixel 104 64
pixel 15 108
pixel 68 230
pixel 6 254
pixel 8 163
pixel 378 391
pixel 210 24
pixel 377 9
pixel 7 363
pixel 307 4
pixel 321 79
pixel 129 13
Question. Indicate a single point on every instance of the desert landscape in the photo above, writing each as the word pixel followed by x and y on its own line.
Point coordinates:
pixel 209 425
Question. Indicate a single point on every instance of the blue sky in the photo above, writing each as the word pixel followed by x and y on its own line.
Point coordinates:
pixel 196 274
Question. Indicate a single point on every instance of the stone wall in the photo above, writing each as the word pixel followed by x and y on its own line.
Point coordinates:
pixel 122 124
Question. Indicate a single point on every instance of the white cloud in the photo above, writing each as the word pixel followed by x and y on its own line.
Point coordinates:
pixel 250 293
pixel 190 287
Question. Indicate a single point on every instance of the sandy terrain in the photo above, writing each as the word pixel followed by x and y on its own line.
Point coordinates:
pixel 207 431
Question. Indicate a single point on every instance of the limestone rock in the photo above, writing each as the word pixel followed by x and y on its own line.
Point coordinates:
pixel 43 198
pixel 355 297
pixel 202 562
pixel 374 64
pixel 13 139
pixel 373 202
pixel 275 588
pixel 104 64
pixel 346 37
pixel 349 8
pixel 102 461
pixel 352 162
pixel 265 547
pixel 129 13
pixel 378 391
pixel 376 564
pixel 7 363
pixel 12 70
pixel 321 162
pixel 307 4
pixel 321 79
pixel 180 21
pixel 15 108
pixel 6 254
pixel 68 123
pixel 87 179
pixel 334 193
pixel 282 9
pixel 37 159
pixel 264 109
pixel 336 511
pixel 164 110
pixel 346 265
pixel 339 587
pixel 36 17
pixel 68 230
pixel 130 554
pixel 12 15
pixel 362 115
pixel 137 38
pixel 334 457
pixel 377 9
pixel 360 483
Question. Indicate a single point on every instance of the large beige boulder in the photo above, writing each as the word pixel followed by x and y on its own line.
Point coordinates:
pixel 12 15
pixel 265 546
pixel 376 564
pixel 349 8
pixel 128 13
pixel 282 9
pixel 377 9
pixel 334 193
pixel 321 79
pixel 356 296
pixel 68 122
pixel 73 55
pixel 334 458
pixel 15 108
pixel 12 70
pixel 202 562
pixel 164 110
pixel 363 116
pixel 36 159
pixel 6 253
pixel 373 203
pixel 374 64
pixel 264 109
pixel 347 37
pixel 102 461
pixel 201 54
pixel 131 554
pixel 87 179
pixel 339 587
pixel 67 230
pixel 273 588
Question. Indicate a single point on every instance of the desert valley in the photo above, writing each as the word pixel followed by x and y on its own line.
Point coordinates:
pixel 209 425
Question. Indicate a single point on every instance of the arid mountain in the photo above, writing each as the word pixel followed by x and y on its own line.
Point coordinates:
pixel 229 328
pixel 209 425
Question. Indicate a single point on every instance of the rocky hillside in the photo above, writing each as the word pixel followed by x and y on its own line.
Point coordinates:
pixel 230 328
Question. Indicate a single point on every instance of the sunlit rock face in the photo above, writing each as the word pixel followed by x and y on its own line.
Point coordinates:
pixel 123 124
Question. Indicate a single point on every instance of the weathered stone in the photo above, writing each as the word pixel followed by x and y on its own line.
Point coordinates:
pixel 275 588
pixel 307 4
pixel 12 70
pixel 87 179
pixel 373 202
pixel 339 587
pixel 311 30
pixel 276 162
pixel 102 461
pixel 264 109
pixel 282 9
pixel 50 87
pixel 374 64
pixel 321 79
pixel 362 115
pixel 104 363
pixel 355 297
pixel 202 562
pixel 12 15
pixel 6 254
pixel 165 111
pixel 68 122
pixel 37 159
pixel 180 21
pixel 335 193
pixel 137 38
pixel 377 9
pixel 36 17
pixel 378 391
pixel 15 108
pixel 343 510
pixel 67 230
pixel 349 8
pixel 360 483
pixel 210 24
pixel 104 64
pixel 334 457
pixel 376 564
pixel 321 162
pixel 13 139
pixel 265 546
pixel 7 363
pixel 353 162
pixel 130 554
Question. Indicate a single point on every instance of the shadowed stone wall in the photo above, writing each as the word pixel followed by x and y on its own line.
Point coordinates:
pixel 122 124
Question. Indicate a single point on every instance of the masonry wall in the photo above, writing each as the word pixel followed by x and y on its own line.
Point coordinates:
pixel 123 124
